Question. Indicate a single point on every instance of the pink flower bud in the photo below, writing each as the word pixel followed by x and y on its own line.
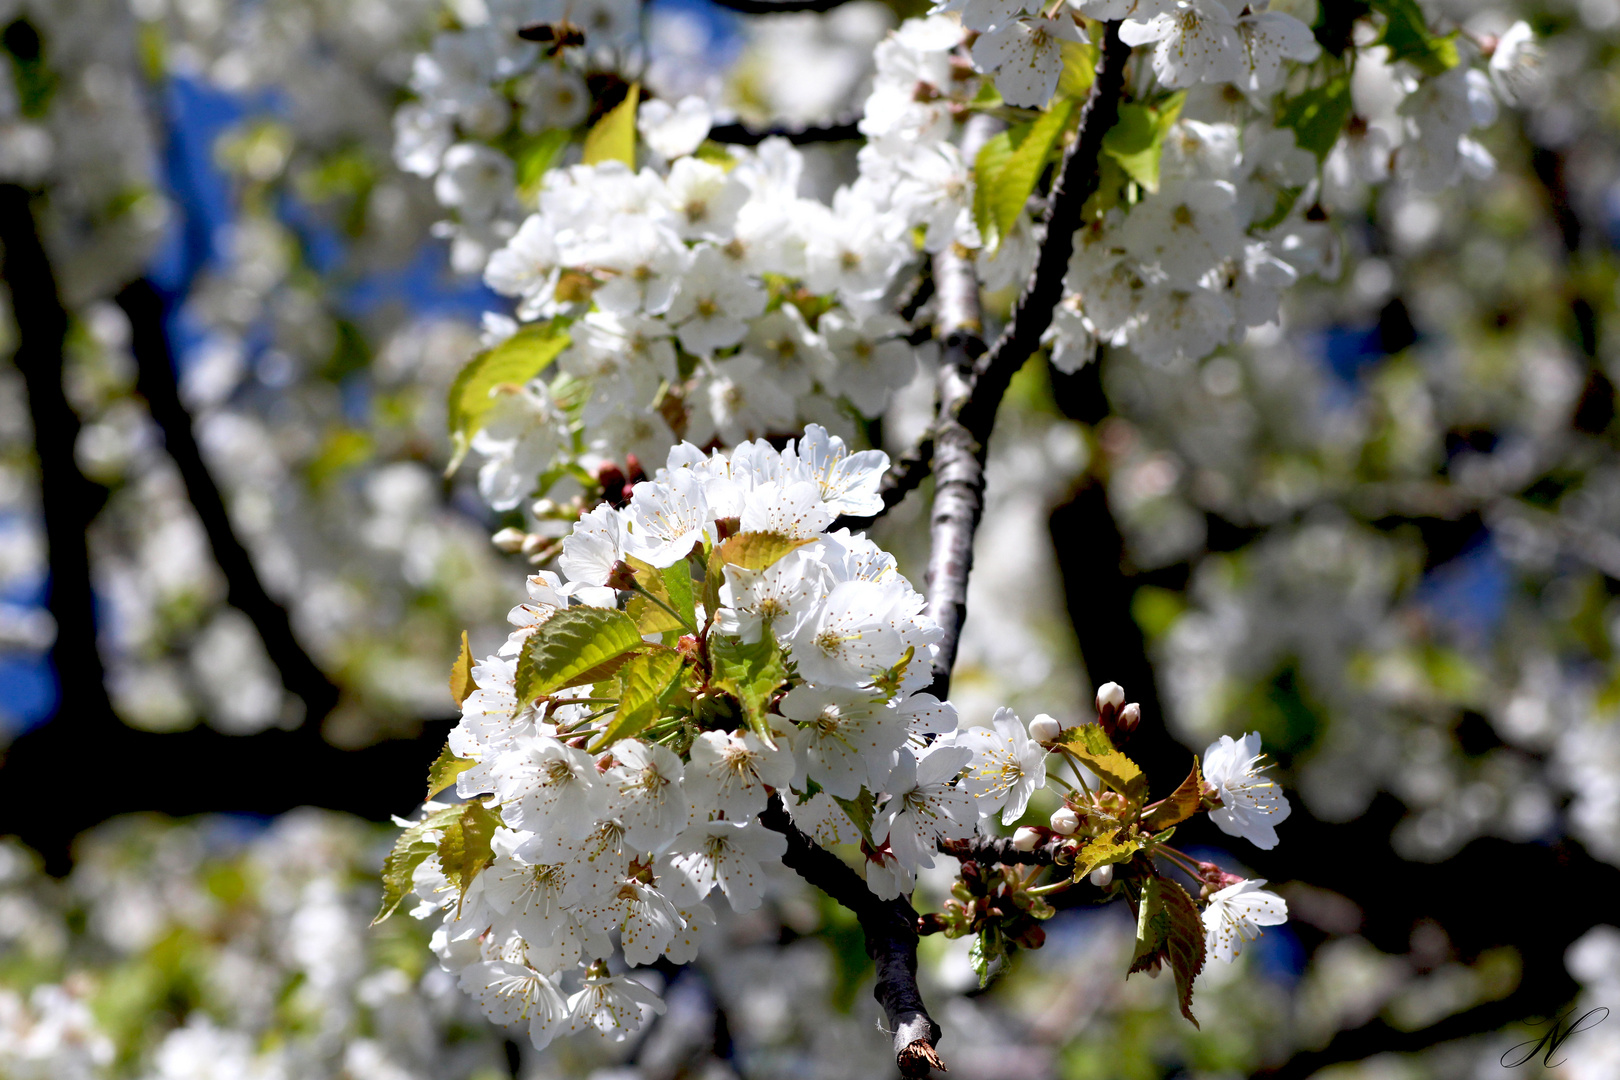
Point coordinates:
pixel 1103 876
pixel 1065 821
pixel 509 540
pixel 1043 729
pixel 1026 839
pixel 1110 695
pixel 1129 717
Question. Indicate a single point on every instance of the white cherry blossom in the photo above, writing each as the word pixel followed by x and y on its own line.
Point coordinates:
pixel 1234 915
pixel 1252 804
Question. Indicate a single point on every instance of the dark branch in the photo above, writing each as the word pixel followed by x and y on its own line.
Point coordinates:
pixel 767 7
pixel 890 927
pixel 743 135
pixel 973 382
pixel 980 849
pixel 156 381
pixel 68 500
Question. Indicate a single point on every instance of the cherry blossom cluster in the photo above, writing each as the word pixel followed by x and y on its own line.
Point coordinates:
pixel 710 303
pixel 713 645
pixel 626 839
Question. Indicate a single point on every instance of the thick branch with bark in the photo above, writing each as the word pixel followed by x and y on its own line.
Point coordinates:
pixel 981 849
pixel 890 930
pixel 156 382
pixel 972 383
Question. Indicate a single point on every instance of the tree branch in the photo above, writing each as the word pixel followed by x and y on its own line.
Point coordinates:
pixel 740 134
pixel 981 849
pixel 890 928
pixel 156 381
pixel 972 382
pixel 68 500
pixel 768 7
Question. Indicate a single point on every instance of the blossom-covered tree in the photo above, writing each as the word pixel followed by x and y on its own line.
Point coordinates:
pixel 1082 256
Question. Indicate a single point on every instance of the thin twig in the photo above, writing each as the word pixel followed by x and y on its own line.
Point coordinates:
pixel 743 135
pixel 768 7
pixel 973 381
pixel 890 928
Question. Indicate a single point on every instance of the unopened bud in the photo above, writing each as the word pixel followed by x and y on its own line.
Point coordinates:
pixel 533 543
pixel 509 540
pixel 1153 972
pixel 1043 729
pixel 1129 717
pixel 1103 876
pixel 1110 696
pixel 1026 839
pixel 634 473
pixel 621 577
pixel 1065 821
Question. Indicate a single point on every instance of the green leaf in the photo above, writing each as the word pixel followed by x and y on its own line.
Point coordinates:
pixel 1169 930
pixel 444 770
pixel 673 586
pixel 538 155
pixel 861 810
pixel 1103 851
pixel 573 647
pixel 1318 115
pixel 987 949
pixel 757 550
pixel 461 680
pixel 1136 142
pixel 1406 33
pixel 464 845
pixel 1091 745
pixel 1008 167
pixel 1079 69
pixel 644 681
pixel 513 362
pixel 412 846
pixel 751 674
pixel 613 138
pixel 716 154
pixel 1181 804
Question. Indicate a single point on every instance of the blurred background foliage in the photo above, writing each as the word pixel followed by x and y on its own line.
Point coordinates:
pixel 1385 533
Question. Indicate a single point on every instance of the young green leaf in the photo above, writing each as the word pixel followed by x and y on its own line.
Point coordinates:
pixel 670 605
pixel 511 363
pixel 756 550
pixel 1079 69
pixel 538 155
pixel 1091 745
pixel 1007 169
pixel 861 810
pixel 751 674
pixel 1136 142
pixel 1169 930
pixel 461 680
pixel 644 681
pixel 410 848
pixel 1406 33
pixel 464 845
pixel 1181 804
pixel 444 770
pixel 1103 851
pixel 613 138
pixel 572 648
pixel 1318 115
